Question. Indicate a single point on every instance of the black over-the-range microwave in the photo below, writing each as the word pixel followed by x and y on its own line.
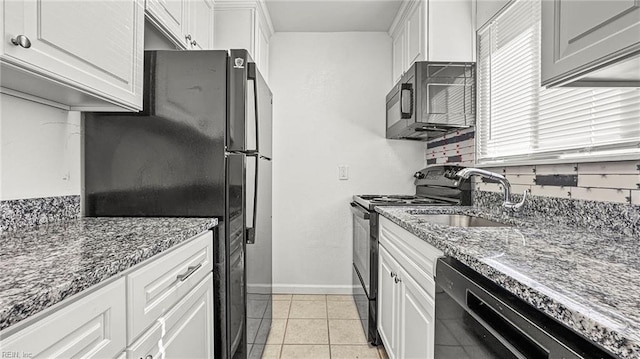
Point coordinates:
pixel 431 99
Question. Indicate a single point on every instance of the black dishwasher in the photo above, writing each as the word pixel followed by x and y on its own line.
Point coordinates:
pixel 476 318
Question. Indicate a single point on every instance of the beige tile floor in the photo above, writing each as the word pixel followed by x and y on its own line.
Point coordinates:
pixel 317 327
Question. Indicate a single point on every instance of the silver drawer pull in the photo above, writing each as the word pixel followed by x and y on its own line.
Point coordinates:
pixel 190 271
pixel 398 279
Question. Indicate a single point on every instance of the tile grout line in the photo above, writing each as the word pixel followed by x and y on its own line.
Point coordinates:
pixel 326 306
pixel 286 326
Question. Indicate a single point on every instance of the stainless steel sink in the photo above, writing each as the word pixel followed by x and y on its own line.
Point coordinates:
pixel 459 220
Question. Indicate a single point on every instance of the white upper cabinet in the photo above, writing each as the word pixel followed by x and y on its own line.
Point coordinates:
pixel 431 30
pixel 78 55
pixel 415 34
pixel 201 24
pixel 244 25
pixel 399 61
pixel 169 17
pixel 579 37
pixel 187 23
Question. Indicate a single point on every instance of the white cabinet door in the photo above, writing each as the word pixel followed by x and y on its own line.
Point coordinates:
pixel 578 36
pixel 91 327
pixel 244 25
pixel 169 16
pixel 399 54
pixel 189 325
pixel 388 302
pixel 415 35
pixel 406 290
pixel 91 47
pixel 201 24
pixel 156 287
pixel 417 325
pixel 262 52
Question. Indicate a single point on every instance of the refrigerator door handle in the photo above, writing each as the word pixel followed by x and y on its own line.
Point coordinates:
pixel 251 229
pixel 252 76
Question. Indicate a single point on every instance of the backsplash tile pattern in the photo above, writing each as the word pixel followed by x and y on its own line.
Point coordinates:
pixel 615 182
pixel 454 147
pixel 20 213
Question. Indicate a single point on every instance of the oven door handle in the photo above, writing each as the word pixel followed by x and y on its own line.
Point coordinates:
pixel 359 211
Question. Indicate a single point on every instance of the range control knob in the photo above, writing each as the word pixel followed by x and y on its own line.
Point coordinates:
pixel 419 175
pixel 451 173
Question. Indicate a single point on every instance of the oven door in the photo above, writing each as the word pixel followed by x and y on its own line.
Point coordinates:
pixel 362 246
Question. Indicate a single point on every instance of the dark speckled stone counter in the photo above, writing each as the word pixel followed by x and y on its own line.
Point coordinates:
pixel 41 267
pixel 587 280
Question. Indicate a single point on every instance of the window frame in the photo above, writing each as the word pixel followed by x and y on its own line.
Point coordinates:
pixel 601 153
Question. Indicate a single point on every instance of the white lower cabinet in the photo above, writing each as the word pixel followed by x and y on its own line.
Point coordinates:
pixel 388 302
pixel 416 320
pixel 186 331
pixel 165 305
pixel 190 324
pixel 92 327
pixel 406 290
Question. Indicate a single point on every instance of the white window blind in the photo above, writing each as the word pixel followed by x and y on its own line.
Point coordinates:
pixel 520 121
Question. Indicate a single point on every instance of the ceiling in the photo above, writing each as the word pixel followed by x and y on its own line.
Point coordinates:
pixel 332 15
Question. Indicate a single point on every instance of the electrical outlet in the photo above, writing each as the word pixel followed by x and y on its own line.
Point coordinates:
pixel 343 172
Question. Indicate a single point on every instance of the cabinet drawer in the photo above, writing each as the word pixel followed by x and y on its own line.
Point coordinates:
pixel 424 280
pixel 421 253
pixel 155 288
pixel 92 326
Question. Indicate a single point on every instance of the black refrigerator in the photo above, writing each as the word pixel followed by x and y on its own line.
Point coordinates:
pixel 201 147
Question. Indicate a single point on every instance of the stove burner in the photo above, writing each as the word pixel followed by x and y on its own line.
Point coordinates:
pixel 399 200
pixel 423 201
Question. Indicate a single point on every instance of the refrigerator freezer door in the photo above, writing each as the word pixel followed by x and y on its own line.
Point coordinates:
pixel 259 264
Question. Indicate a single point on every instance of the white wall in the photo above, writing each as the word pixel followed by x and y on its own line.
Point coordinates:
pixel 40 150
pixel 329 109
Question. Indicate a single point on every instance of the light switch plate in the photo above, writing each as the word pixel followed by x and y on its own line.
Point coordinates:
pixel 343 172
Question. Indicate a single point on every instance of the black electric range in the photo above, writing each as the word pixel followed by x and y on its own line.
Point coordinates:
pixel 436 185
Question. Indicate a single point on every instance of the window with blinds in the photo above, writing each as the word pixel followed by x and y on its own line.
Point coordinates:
pixel 521 122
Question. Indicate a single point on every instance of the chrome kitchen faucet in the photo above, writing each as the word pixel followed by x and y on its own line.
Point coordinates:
pixel 506 186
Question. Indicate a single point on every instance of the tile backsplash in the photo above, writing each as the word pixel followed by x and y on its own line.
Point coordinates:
pixel 22 213
pixel 617 182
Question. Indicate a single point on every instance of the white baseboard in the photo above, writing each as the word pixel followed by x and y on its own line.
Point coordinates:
pixel 312 289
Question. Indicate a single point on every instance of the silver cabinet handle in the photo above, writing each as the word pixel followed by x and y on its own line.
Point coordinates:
pixel 194 43
pixel 21 40
pixel 188 37
pixel 392 274
pixel 148 357
pixel 398 280
pixel 190 271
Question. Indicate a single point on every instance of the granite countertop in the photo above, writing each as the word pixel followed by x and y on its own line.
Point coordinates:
pixel 587 280
pixel 42 266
